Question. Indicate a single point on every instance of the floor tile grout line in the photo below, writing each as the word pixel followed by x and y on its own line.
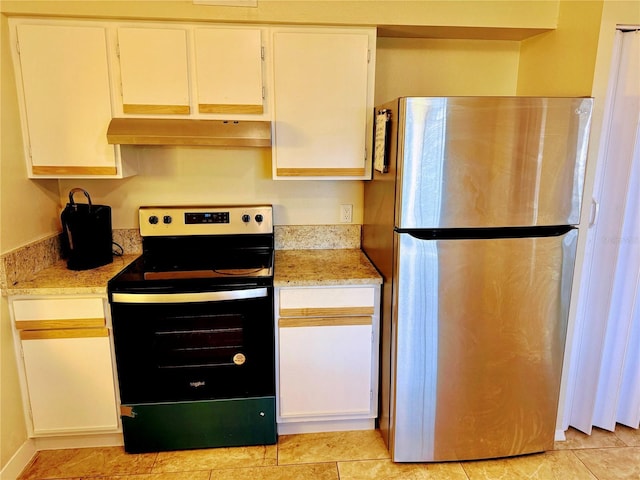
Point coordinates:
pixel 464 470
pixel 585 465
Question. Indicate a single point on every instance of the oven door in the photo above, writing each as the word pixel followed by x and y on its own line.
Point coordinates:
pixel 194 346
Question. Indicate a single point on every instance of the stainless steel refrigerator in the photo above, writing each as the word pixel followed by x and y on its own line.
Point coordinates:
pixel 470 218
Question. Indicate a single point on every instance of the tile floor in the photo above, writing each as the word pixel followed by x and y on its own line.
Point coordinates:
pixel 344 456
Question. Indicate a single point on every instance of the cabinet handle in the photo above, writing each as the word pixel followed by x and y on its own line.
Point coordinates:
pixel 156 109
pixel 324 322
pixel 325 311
pixel 59 323
pixel 595 210
pixel 59 170
pixel 63 333
pixel 189 297
pixel 320 172
pixel 229 108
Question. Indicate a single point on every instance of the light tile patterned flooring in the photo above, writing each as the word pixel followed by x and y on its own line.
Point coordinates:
pixel 345 456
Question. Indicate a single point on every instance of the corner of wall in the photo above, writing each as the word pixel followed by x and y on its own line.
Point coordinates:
pixel 562 62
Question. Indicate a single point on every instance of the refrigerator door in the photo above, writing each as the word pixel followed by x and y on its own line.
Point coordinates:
pixel 490 161
pixel 478 331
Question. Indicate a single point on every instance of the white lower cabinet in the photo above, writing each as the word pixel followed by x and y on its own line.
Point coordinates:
pixel 327 358
pixel 65 365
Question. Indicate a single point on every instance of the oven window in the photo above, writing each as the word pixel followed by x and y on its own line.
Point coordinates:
pixel 200 341
pixel 194 351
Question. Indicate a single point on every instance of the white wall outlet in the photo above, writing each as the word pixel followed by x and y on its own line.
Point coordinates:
pixel 346 213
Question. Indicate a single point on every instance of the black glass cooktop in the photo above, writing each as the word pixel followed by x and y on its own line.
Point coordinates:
pixel 188 264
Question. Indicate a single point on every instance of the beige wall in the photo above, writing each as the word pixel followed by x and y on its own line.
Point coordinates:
pixel 28 207
pixel 201 175
pixel 561 63
pixel 439 67
pixel 468 13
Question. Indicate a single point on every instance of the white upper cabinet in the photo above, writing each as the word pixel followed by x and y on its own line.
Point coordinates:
pixel 323 102
pixel 199 72
pixel 154 70
pixel 62 75
pixel 229 70
pixel 314 84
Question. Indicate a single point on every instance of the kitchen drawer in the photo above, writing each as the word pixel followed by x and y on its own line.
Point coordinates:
pixel 311 302
pixel 55 313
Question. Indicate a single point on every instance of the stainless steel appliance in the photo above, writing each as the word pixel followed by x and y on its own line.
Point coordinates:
pixel 470 219
pixel 194 331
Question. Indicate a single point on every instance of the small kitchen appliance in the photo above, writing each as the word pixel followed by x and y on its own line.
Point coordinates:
pixel 193 330
pixel 86 233
pixel 470 218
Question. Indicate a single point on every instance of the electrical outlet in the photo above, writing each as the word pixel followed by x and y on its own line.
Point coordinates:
pixel 346 213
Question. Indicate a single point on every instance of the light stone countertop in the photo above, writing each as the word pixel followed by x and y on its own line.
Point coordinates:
pixel 59 280
pixel 345 266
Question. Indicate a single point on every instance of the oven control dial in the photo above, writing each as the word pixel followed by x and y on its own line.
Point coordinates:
pixel 259 218
pixel 246 218
pixel 167 219
pixel 153 219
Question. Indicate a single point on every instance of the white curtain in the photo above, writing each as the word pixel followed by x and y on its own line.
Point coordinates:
pixel 604 385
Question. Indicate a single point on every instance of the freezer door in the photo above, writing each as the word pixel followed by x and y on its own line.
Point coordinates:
pixel 491 161
pixel 478 329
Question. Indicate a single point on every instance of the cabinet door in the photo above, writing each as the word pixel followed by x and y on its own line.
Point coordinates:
pixel 325 367
pixel 69 378
pixel 229 70
pixel 153 67
pixel 321 103
pixel 67 99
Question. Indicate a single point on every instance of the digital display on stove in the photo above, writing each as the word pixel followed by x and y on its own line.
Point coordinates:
pixel 206 217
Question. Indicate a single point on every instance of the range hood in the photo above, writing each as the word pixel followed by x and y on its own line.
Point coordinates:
pixel 160 131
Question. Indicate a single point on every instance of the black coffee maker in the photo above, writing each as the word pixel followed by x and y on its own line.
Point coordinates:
pixel 86 233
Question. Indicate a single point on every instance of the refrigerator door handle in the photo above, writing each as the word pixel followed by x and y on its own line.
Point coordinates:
pixel 595 210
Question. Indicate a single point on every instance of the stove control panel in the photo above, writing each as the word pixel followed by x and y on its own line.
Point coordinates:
pixel 205 220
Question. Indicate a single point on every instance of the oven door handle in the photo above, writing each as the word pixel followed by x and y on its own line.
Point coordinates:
pixel 188 297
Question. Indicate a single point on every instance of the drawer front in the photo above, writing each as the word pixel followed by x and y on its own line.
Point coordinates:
pixel 58 313
pixel 303 302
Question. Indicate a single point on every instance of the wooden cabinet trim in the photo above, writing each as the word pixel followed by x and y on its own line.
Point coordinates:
pixel 229 108
pixel 63 333
pixel 323 321
pixel 325 311
pixel 59 323
pixel 156 109
pixel 61 170
pixel 320 172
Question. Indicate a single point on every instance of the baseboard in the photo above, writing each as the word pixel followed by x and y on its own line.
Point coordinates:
pixel 326 426
pixel 79 441
pixel 560 436
pixel 19 461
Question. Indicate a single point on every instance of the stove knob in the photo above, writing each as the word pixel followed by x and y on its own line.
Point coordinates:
pixel 153 219
pixel 246 218
pixel 166 219
pixel 259 218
